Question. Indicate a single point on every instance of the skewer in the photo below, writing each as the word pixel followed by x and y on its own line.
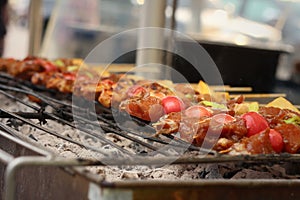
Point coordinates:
pixel 267 95
pixel 231 89
pixel 113 68
pixel 297 106
pixel 219 87
pixel 226 88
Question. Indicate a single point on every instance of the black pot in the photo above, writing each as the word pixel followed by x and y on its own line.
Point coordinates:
pixel 238 65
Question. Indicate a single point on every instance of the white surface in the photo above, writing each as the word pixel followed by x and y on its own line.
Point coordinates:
pixel 16 42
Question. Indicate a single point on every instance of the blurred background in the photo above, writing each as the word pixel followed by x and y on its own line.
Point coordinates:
pixel 72 28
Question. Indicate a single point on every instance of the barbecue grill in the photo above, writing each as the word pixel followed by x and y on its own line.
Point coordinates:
pixel 44 155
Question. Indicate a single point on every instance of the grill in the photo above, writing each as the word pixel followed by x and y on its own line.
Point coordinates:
pixel 46 155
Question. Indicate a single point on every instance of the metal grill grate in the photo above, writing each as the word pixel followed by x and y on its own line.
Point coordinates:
pixel 61 112
pixel 57 108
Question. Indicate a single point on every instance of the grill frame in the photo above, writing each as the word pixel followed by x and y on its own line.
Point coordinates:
pixel 79 184
pixel 14 160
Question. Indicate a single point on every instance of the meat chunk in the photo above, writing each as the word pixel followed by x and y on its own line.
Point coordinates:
pixel 256 144
pixel 120 90
pixel 203 129
pixel 276 116
pixel 59 82
pixel 89 90
pixel 145 101
pixel 168 124
pixel 41 78
pixel 148 108
pixel 24 70
pixel 211 132
pixel 291 137
pixel 5 63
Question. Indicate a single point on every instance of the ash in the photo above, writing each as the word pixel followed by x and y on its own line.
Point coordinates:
pixel 196 172
pixel 63 148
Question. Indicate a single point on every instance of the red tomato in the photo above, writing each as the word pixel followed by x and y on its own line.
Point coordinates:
pixel 47 65
pixel 255 123
pixel 50 67
pixel 136 90
pixel 107 81
pixel 276 140
pixel 197 111
pixel 223 118
pixel 69 76
pixel 172 104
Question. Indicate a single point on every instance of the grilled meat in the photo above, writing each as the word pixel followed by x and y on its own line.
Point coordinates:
pixel 256 144
pixel 146 100
pixel 291 136
pixel 62 82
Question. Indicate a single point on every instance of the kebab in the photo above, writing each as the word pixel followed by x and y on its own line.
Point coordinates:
pixel 196 115
pixel 267 129
pixel 244 127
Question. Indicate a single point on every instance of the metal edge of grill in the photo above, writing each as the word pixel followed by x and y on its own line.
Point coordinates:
pixel 93 185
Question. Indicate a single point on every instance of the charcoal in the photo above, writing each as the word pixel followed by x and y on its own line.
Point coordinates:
pixel 212 172
pixel 32 137
pixel 165 171
pixel 129 175
pixel 252 174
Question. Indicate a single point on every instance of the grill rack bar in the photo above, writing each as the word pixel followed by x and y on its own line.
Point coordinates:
pixel 8 129
pixel 62 120
pixel 178 142
pixel 48 100
pixel 52 116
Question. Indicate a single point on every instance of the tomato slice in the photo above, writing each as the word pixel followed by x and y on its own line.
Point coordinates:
pixel 172 104
pixel 276 140
pixel 197 111
pixel 47 65
pixel 69 76
pixel 255 123
pixel 222 118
